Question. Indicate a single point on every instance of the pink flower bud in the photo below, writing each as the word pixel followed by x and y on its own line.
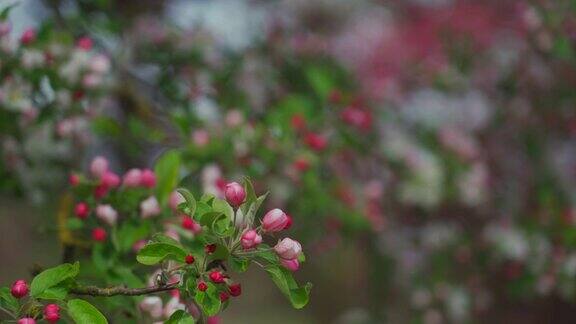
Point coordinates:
pixel 99 234
pixel 235 290
pixel 26 320
pixel 224 296
pixel 274 220
pixel 73 179
pixel 107 214
pixel 148 179
pixel 110 179
pixel 200 137
pixel 84 43
pixel 51 313
pixel 132 178
pixel 288 249
pixel 189 224
pixel 202 286
pixel 100 191
pixel 291 265
pixel 216 276
pixel 250 239
pixel 235 194
pixel 175 199
pixel 357 117
pixel 213 320
pixel 150 207
pixel 99 166
pixel 28 36
pixel 315 141
pixel 81 210
pixel 19 289
pixel 152 305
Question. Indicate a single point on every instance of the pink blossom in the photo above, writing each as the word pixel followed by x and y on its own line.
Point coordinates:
pixel 291 264
pixel 275 220
pixel 175 200
pixel 99 166
pixel 288 249
pixel 107 214
pixel 235 194
pixel 132 178
pixel 150 207
pixel 148 179
pixel 250 239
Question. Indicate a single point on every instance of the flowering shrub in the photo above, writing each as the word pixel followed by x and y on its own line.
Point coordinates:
pixel 426 134
pixel 185 246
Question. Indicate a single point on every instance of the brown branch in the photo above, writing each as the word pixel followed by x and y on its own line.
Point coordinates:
pixel 120 290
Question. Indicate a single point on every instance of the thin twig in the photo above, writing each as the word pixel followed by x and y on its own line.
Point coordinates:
pixel 120 290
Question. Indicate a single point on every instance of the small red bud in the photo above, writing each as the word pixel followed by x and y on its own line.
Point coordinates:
pixel 210 248
pixel 216 276
pixel 224 296
pixel 73 179
pixel 81 210
pixel 187 223
pixel 189 259
pixel 99 234
pixel 235 290
pixel 202 286
pixel 51 313
pixel 19 289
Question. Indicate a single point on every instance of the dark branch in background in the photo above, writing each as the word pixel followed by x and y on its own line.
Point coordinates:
pixel 120 290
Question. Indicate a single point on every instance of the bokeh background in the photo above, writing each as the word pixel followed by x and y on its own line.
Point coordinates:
pixel 425 148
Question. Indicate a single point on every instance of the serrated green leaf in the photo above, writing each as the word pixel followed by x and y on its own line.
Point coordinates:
pixel 154 253
pixel 52 277
pixel 82 312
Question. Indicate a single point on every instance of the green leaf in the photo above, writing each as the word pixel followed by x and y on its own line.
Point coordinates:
pixel 209 218
pixel 106 126
pixel 298 296
pixel 154 253
pixel 57 292
pixel 128 234
pixel 222 206
pixel 208 300
pixel 52 277
pixel 82 312
pixel 239 264
pixel 180 317
pixel 167 170
pixel 74 224
pixel 190 201
pixel 161 238
pixel 8 301
pixel 251 214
